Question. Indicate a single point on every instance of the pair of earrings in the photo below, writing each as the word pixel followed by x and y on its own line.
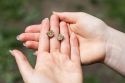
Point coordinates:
pixel 50 34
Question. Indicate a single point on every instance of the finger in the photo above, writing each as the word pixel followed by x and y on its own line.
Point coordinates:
pixel 33 29
pixel 23 64
pixel 31 44
pixel 35 53
pixel 75 29
pixel 70 17
pixel 54 43
pixel 70 31
pixel 65 47
pixel 43 39
pixel 28 37
pixel 74 49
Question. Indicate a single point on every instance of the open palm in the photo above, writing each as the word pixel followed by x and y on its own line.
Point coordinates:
pixel 91 33
pixel 54 63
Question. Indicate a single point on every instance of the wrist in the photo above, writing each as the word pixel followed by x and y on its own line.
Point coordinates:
pixel 115 50
pixel 111 44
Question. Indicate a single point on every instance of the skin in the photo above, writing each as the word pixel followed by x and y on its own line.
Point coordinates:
pixel 98 42
pixel 89 36
pixel 54 63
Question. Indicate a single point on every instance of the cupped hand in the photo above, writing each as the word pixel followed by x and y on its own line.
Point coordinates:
pixel 57 62
pixel 91 33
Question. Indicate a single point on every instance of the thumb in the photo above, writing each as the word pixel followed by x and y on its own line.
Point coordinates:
pixel 23 64
pixel 70 17
pixel 75 29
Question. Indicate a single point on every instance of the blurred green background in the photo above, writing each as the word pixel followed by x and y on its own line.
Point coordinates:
pixel 15 15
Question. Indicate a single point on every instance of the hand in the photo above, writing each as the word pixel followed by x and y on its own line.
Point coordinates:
pixel 54 63
pixel 91 33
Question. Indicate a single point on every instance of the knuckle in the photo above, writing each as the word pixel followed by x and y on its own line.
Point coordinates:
pixel 36 37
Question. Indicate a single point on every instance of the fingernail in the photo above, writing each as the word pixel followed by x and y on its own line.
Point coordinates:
pixel 35 53
pixel 11 52
pixel 17 37
pixel 46 18
pixel 53 12
pixel 24 44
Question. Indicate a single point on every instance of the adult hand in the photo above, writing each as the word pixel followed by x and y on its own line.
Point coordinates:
pixel 91 33
pixel 98 41
pixel 54 63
